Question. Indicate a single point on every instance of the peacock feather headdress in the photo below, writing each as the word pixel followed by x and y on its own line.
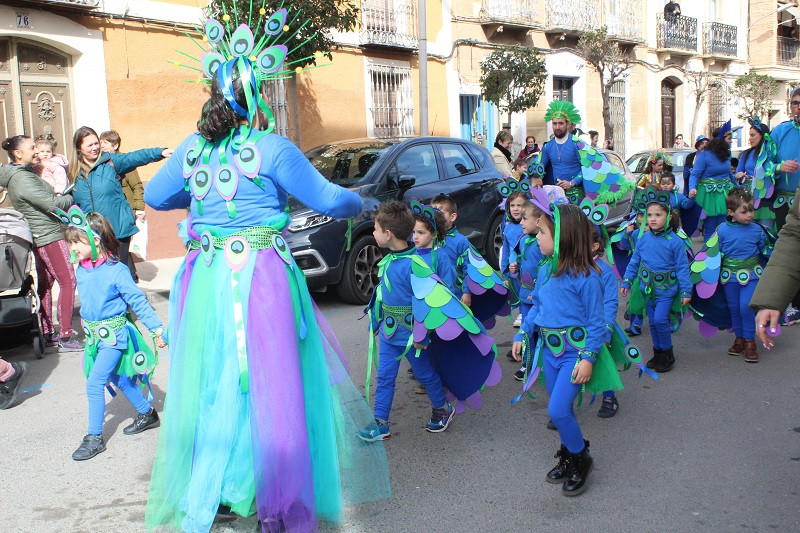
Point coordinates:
pixel 76 218
pixel 562 109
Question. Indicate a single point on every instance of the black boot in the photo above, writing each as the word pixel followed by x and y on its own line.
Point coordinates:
pixel 666 362
pixel 91 446
pixel 655 359
pixel 143 422
pixel 559 472
pixel 579 465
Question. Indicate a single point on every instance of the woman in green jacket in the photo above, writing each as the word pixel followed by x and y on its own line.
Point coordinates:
pixel 35 200
pixel 96 180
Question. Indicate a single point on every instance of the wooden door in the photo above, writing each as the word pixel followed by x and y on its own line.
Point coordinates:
pixel 667 114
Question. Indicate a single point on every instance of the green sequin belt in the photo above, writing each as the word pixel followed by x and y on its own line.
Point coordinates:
pixel 742 270
pixel 716 185
pixel 237 246
pixel 656 280
pixel 104 330
pixel 558 339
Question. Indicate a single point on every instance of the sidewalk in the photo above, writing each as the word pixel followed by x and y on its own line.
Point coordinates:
pixel 155 277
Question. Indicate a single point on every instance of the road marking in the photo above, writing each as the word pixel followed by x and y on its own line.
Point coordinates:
pixel 34 389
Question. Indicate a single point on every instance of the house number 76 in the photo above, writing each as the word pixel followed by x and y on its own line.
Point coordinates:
pixel 22 20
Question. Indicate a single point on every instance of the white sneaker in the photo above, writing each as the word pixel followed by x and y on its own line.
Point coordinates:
pixel 518 321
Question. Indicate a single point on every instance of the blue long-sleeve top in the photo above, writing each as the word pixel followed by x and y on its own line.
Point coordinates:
pixel 628 242
pixel 708 166
pixel 610 297
pixel 679 201
pixel 561 162
pixel 396 291
pixel 787 136
pixel 741 241
pixel 661 251
pixel 566 301
pixel 529 258
pixel 101 190
pixel 284 170
pixel 512 231
pixel 108 289
pixel 456 246
pixel 443 267
pixel 747 163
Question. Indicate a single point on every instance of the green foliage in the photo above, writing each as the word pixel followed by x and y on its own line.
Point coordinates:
pixel 310 39
pixel 604 54
pixel 756 92
pixel 513 78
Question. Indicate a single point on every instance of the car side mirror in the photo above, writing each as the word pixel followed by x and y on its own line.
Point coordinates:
pixel 406 181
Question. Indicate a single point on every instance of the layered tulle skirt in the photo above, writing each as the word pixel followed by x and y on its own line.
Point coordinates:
pixel 260 413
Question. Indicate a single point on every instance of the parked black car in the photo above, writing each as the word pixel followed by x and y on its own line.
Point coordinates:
pixel 381 169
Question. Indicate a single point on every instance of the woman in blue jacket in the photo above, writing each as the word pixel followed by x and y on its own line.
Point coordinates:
pixel 95 177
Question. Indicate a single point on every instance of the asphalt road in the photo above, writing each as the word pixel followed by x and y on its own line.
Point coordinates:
pixel 713 445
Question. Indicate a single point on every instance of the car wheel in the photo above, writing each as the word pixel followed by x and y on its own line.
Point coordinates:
pixel 360 273
pixel 494 243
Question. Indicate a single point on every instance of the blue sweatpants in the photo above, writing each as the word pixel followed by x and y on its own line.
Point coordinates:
pixel 388 364
pixel 658 315
pixel 710 225
pixel 103 372
pixel 636 321
pixel 558 379
pixel 742 317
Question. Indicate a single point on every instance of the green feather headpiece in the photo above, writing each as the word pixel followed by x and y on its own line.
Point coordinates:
pixel 562 109
pixel 76 218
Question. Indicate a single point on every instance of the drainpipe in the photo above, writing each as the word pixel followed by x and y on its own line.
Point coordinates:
pixel 423 69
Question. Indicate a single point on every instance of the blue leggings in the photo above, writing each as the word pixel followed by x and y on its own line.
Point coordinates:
pixel 558 378
pixel 742 317
pixel 103 372
pixel 636 321
pixel 660 325
pixel 387 375
pixel 710 225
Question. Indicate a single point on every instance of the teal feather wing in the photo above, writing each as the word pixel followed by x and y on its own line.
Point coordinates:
pixel 602 181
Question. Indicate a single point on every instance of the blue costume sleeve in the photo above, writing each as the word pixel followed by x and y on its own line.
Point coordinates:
pixel 576 181
pixel 681 267
pixel 592 299
pixel 505 253
pixel 445 269
pixel 697 170
pixel 633 268
pixel 294 173
pixel 124 163
pixel 527 325
pixel 610 301
pixel 762 241
pixel 684 202
pixel 741 166
pixel 166 190
pixel 134 297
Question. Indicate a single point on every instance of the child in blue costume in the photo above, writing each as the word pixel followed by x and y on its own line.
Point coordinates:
pixel 529 259
pixel 740 244
pixel 688 209
pixel 711 179
pixel 455 245
pixel 512 232
pixel 428 233
pixel 261 415
pixel 660 262
pixel 626 238
pixel 115 351
pixel 610 404
pixel 568 310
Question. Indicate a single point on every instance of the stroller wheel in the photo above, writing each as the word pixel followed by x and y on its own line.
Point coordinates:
pixel 38 346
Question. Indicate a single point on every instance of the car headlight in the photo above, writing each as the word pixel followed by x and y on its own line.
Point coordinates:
pixel 309 221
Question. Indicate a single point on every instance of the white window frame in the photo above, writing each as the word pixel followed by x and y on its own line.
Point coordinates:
pixel 404 96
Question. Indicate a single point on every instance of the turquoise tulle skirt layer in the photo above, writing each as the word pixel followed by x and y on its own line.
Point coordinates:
pixel 262 416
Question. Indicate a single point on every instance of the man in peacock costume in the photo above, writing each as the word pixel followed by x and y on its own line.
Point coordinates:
pixel 260 415
pixel 574 165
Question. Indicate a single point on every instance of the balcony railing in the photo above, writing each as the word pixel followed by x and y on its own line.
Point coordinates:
pixel 788 51
pixel 572 15
pixel 390 23
pixel 719 40
pixel 518 12
pixel 676 32
pixel 624 20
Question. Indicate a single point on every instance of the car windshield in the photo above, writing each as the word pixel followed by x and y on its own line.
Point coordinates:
pixel 345 164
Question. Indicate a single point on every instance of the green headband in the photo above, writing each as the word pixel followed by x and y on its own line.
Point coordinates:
pixel 76 218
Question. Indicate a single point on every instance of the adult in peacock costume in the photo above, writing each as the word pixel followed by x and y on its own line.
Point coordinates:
pixel 260 414
pixel 574 165
pixel 756 171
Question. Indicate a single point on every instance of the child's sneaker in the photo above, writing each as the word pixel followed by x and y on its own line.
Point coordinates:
pixel 374 432
pixel 518 321
pixel 792 316
pixel 70 344
pixel 519 375
pixel 609 407
pixel 633 330
pixel 10 387
pixel 441 418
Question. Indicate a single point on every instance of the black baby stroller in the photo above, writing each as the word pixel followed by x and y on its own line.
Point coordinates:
pixel 20 306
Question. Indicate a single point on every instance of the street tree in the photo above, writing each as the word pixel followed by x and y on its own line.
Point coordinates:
pixel 310 38
pixel 513 78
pixel 611 61
pixel 701 84
pixel 755 92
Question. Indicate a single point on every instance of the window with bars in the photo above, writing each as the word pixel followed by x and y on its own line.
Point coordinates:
pixel 276 92
pixel 392 106
pixel 562 88
pixel 616 102
pixel 717 105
